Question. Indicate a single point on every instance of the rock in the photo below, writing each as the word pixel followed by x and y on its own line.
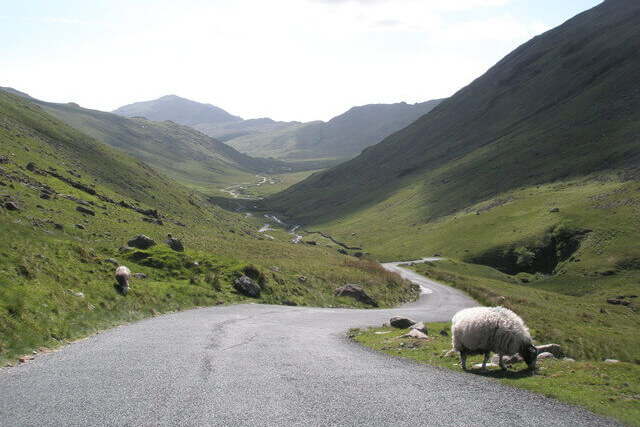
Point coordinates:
pixel 80 226
pixel 357 254
pixel 139 276
pixel 58 226
pixel 616 301
pixel 355 292
pixel 401 322
pixel 568 359
pixel 23 359
pixel 77 294
pixel 141 242
pixel 174 244
pixel 444 333
pixel 342 251
pixel 112 261
pixel 247 286
pixel 311 242
pixel 31 166
pixel 546 355
pixel 11 206
pixel 302 279
pixel 45 196
pixel 508 360
pixel 289 303
pixel 274 268
pixel 609 360
pixel 415 333
pixel 84 210
pixel 420 326
pixel 382 332
pixel 488 365
pixel 3 159
pixel 437 254
pixel 125 248
pixel 555 210
pixel 554 349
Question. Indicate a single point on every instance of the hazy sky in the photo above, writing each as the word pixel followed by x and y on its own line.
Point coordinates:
pixel 285 59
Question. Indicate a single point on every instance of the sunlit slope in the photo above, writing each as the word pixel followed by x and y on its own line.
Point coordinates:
pixel 562 105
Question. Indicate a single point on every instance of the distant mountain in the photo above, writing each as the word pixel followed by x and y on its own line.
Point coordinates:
pixel 564 104
pixel 179 110
pixel 342 137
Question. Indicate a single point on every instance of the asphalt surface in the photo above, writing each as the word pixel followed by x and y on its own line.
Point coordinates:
pixel 259 365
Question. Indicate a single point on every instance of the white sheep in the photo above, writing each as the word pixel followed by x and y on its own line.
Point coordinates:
pixel 481 330
pixel 123 276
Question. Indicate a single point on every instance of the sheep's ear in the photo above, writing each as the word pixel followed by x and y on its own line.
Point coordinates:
pixel 533 350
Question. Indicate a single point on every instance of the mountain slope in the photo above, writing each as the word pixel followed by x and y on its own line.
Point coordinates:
pixel 177 109
pixel 561 105
pixel 342 137
pixel 178 150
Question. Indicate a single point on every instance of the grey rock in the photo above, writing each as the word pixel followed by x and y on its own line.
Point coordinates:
pixel 141 242
pixel 84 210
pixel 546 355
pixel 342 251
pixel 77 294
pixel 3 159
pixel 247 286
pixel 139 276
pixel 58 226
pixel 31 166
pixel 609 360
pixel 555 210
pixel 11 206
pixel 125 248
pixel 401 322
pixel 302 279
pixel 508 360
pixel 415 333
pixel 358 254
pixel 488 365
pixel 80 226
pixel 274 268
pixel 175 244
pixel 554 349
pixel 420 326
pixel 355 292
pixel 112 261
pixel 568 359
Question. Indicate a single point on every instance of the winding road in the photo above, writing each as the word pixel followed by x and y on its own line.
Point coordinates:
pixel 262 365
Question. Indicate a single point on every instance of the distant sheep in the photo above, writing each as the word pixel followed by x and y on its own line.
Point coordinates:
pixel 123 276
pixel 481 330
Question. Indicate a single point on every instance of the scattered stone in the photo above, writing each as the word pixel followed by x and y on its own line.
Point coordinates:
pixel 31 166
pixel 420 326
pixel 609 360
pixel 355 292
pixel 554 349
pixel 568 359
pixel 45 196
pixel 80 226
pixel 507 360
pixel 3 159
pixel 488 365
pixel 444 333
pixel 23 359
pixel 196 264
pixel 415 333
pixel 274 268
pixel 77 294
pixel 382 332
pixel 112 261
pixel 401 322
pixel 608 273
pixel 11 206
pixel 311 242
pixel 546 355
pixel 616 301
pixel 555 210
pixel 437 254
pixel 139 276
pixel 342 251
pixel 141 242
pixel 58 226
pixel 302 279
pixel 357 254
pixel 289 303
pixel 174 243
pixel 84 210
pixel 125 248
pixel 247 286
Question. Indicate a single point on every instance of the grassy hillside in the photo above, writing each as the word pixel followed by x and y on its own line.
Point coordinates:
pixel 342 137
pixel 68 203
pixel 533 169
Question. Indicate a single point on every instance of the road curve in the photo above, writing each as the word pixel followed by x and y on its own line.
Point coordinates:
pixel 261 365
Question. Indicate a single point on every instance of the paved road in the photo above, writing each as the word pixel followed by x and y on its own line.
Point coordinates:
pixel 260 365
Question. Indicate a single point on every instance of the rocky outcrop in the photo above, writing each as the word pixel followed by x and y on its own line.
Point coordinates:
pixel 247 286
pixel 86 211
pixel 174 243
pixel 355 292
pixel 401 322
pixel 139 276
pixel 141 242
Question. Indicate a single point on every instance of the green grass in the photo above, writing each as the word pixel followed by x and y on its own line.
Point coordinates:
pixel 608 389
pixel 44 253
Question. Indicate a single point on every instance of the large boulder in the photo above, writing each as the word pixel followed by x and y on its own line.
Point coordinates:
pixel 415 333
pixel 355 292
pixel 247 286
pixel 420 326
pixel 174 244
pixel 141 242
pixel 401 322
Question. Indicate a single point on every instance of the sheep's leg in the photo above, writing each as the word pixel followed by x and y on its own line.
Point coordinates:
pixel 501 362
pixel 463 360
pixel 484 362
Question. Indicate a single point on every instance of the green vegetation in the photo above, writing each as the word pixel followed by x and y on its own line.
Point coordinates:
pixel 78 201
pixel 607 389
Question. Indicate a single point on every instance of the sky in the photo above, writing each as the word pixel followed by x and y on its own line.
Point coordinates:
pixel 285 59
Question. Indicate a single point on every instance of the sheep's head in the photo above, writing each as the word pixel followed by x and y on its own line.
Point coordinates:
pixel 530 354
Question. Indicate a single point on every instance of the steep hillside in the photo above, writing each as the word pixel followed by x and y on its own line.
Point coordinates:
pixel 178 150
pixel 68 207
pixel 231 130
pixel 342 137
pixel 562 105
pixel 177 109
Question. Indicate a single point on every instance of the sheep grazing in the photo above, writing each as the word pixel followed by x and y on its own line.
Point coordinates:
pixel 123 276
pixel 481 330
